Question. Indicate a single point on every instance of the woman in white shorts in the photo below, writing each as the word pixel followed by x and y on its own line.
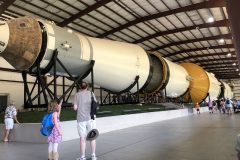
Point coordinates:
pixel 10 114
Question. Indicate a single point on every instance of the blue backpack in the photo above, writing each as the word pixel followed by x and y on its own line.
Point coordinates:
pixel 228 101
pixel 47 124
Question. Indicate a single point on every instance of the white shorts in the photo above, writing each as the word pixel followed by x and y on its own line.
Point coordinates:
pixel 85 127
pixel 9 123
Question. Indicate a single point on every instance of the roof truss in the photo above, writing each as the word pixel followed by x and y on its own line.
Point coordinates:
pixel 202 5
pixel 203 55
pixel 217 60
pixel 5 5
pixel 84 12
pixel 200 49
pixel 225 36
pixel 221 23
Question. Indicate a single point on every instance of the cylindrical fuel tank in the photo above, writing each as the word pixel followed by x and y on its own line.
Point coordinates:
pixel 117 64
pixel 74 50
pixel 157 76
pixel 201 83
pixel 227 91
pixel 214 89
pixel 168 75
pixel 178 82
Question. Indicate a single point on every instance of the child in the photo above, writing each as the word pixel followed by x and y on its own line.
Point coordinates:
pixel 222 103
pixel 198 108
pixel 210 107
pixel 56 136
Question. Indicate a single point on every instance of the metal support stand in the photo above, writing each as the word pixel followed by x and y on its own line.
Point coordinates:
pixel 27 99
pixel 63 87
pixel 54 75
pixel 112 96
pixel 165 93
pixel 101 95
pixel 92 77
pixel 138 96
pixel 209 98
pixel 43 87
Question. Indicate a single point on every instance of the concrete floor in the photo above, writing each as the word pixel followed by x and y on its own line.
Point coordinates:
pixel 197 137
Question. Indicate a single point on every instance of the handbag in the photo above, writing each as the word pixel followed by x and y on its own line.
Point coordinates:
pixel 94 107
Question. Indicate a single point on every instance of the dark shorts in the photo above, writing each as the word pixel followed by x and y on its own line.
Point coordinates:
pixel 198 109
pixel 210 108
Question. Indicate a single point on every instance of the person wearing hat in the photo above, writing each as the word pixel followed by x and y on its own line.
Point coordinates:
pixel 10 116
pixel 82 104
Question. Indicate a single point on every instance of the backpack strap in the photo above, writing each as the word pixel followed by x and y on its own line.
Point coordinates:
pixel 92 96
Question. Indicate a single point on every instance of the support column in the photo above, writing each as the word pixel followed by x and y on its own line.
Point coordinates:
pixel 101 96
pixel 24 75
pixel 63 87
pixel 27 103
pixel 92 79
pixel 138 97
pixel 39 93
pixel 54 74
pixel 233 7
pixel 55 80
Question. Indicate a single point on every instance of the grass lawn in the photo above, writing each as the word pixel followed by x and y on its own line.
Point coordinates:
pixel 68 113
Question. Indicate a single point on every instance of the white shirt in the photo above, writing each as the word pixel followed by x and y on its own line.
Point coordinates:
pixel 10 112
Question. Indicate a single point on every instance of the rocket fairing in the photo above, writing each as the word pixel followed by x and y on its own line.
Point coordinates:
pixel 28 42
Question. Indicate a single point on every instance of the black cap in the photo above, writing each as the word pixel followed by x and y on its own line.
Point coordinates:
pixel 92 135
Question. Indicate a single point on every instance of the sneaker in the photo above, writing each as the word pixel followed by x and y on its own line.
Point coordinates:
pixel 81 158
pixel 94 157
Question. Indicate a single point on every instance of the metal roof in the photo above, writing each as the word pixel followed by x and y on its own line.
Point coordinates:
pixel 196 31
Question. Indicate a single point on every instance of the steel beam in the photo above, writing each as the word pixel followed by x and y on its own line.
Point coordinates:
pixel 219 59
pixel 204 55
pixel 84 12
pixel 5 5
pixel 217 63
pixel 200 49
pixel 202 5
pixel 221 23
pixel 225 36
pixel 233 13
pixel 219 67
